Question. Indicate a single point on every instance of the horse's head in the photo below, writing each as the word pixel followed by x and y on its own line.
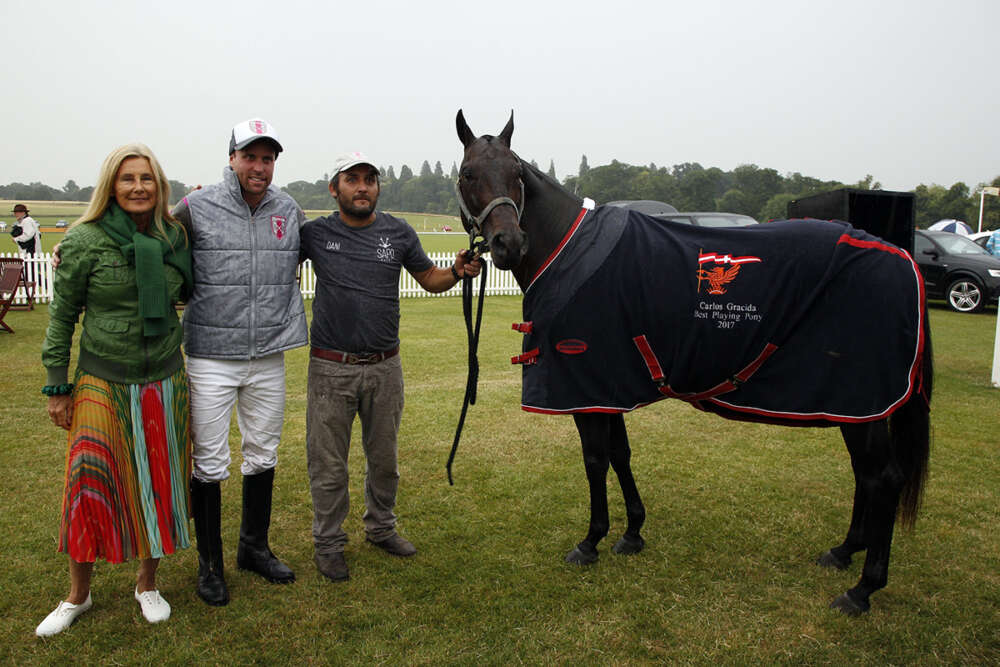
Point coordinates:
pixel 491 193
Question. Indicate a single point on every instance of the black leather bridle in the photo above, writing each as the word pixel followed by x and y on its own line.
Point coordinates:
pixel 478 246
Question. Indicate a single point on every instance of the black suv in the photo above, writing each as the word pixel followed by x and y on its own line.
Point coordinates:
pixel 957 270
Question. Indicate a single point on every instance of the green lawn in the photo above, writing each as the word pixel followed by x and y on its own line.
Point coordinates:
pixel 736 515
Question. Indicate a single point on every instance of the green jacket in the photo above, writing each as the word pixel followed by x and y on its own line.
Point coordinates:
pixel 94 277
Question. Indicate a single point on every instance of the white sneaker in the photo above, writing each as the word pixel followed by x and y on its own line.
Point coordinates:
pixel 62 617
pixel 154 607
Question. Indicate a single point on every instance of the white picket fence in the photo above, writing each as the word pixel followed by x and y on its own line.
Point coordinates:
pixel 39 270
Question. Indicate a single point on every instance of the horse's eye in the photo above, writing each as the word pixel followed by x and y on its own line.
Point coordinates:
pixel 468 175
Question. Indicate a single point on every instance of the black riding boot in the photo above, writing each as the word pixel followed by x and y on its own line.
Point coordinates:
pixel 254 554
pixel 206 503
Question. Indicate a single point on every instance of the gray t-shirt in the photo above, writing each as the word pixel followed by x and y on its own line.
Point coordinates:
pixel 356 308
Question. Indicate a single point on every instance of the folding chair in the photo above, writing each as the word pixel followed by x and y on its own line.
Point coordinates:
pixel 10 277
pixel 29 290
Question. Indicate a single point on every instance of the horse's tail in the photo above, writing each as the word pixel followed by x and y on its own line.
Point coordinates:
pixel 909 430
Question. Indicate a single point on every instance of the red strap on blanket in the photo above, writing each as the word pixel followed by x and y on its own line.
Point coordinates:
pixel 647 355
pixel 656 373
pixel 529 357
pixel 523 327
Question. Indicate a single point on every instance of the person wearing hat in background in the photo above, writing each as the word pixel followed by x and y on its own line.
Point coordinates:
pixel 246 310
pixel 25 230
pixel 354 367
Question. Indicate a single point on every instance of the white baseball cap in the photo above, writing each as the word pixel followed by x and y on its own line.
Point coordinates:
pixel 252 130
pixel 345 161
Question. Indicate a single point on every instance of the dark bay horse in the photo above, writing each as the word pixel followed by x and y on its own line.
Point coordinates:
pixel 533 226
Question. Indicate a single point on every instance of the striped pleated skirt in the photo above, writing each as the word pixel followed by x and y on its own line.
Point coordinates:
pixel 127 470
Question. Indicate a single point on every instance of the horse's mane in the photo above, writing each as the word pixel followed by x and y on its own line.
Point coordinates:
pixel 542 176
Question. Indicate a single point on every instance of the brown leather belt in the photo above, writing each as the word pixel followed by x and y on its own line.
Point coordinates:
pixel 351 358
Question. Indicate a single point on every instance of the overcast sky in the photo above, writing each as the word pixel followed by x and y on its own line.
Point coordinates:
pixel 906 91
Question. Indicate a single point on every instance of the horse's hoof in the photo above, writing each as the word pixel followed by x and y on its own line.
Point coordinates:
pixel 849 605
pixel 583 554
pixel 629 545
pixel 829 560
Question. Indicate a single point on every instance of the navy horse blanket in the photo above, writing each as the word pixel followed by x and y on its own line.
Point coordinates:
pixel 801 322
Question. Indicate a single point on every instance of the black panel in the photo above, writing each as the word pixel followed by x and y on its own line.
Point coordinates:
pixel 885 214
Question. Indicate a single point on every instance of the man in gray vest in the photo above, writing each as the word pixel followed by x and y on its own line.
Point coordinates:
pixel 246 310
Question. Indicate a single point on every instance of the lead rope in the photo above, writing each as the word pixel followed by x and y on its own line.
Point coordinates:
pixel 473 338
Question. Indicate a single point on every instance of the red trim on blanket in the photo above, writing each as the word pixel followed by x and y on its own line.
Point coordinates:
pixel 562 244
pixel 877 245
pixel 595 408
pixel 800 417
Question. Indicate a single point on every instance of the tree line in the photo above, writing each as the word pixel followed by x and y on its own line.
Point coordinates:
pixel 759 192
pixel 70 192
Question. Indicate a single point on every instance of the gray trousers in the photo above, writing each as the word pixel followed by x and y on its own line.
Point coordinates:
pixel 336 393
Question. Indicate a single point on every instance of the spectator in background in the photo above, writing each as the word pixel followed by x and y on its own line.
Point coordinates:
pixel 25 230
pixel 993 243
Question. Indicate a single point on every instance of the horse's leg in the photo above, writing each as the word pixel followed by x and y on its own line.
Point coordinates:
pixel 880 480
pixel 840 555
pixel 621 454
pixel 594 431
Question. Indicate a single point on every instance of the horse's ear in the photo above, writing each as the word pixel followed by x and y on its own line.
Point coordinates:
pixel 465 135
pixel 508 130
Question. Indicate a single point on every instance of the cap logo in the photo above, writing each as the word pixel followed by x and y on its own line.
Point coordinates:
pixel 257 127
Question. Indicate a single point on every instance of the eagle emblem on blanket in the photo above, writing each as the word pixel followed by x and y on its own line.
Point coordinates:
pixel 717 277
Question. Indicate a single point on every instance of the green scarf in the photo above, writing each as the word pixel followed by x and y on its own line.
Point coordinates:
pixel 149 255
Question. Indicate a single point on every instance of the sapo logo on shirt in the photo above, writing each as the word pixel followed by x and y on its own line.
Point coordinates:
pixel 385 252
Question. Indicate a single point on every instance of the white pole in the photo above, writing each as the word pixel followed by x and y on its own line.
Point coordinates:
pixel 987 190
pixel 995 378
pixel 982 196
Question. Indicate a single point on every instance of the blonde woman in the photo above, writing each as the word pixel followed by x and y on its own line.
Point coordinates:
pixel 124 264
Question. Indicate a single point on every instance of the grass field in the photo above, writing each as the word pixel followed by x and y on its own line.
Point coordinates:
pixel 48 213
pixel 736 515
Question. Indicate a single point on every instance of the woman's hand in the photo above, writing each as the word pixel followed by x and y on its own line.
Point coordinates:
pixel 61 410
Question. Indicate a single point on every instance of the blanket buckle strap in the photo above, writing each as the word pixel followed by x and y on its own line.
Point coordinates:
pixel 652 363
pixel 731 384
pixel 528 358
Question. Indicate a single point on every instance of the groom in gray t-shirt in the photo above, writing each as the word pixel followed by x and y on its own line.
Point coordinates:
pixel 354 368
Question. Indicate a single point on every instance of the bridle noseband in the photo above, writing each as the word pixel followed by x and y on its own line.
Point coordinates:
pixel 474 223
